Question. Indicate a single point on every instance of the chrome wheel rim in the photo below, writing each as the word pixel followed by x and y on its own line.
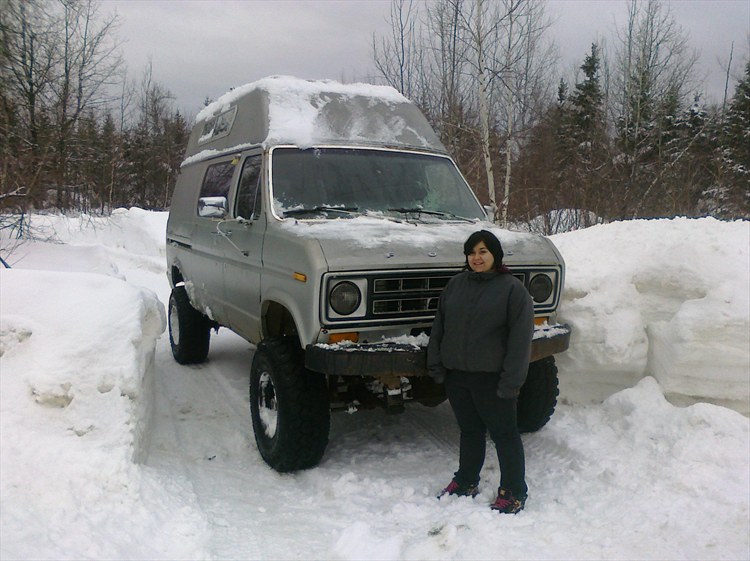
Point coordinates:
pixel 267 405
pixel 174 323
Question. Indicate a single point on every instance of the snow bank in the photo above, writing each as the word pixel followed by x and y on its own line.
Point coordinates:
pixel 87 243
pixel 666 298
pixel 77 356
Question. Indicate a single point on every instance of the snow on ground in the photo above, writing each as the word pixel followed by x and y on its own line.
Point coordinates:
pixel 109 449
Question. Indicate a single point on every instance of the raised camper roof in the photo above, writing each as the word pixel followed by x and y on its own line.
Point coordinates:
pixel 285 110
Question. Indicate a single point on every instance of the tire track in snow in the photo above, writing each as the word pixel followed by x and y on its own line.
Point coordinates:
pixel 418 426
pixel 195 435
pixel 437 424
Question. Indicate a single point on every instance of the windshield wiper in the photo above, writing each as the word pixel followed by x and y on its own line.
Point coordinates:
pixel 322 208
pixel 417 210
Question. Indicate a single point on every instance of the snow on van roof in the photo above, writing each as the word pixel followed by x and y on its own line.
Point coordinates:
pixel 290 92
pixel 288 110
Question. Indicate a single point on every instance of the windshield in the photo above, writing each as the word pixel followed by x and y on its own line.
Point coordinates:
pixel 340 182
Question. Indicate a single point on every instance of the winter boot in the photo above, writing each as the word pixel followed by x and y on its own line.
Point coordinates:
pixel 507 503
pixel 454 488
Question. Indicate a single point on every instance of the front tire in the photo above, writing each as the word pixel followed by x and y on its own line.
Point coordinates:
pixel 289 407
pixel 189 330
pixel 538 397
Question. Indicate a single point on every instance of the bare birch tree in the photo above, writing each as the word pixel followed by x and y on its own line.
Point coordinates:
pixel 528 85
pixel 481 43
pixel 397 57
pixel 485 69
pixel 89 64
pixel 27 73
pixel 445 68
pixel 513 71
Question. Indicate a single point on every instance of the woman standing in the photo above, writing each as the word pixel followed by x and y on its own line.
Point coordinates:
pixel 480 346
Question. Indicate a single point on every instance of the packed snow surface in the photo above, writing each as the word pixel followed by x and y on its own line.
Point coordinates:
pixel 110 450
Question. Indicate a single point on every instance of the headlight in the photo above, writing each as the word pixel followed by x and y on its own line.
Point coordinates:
pixel 345 298
pixel 540 288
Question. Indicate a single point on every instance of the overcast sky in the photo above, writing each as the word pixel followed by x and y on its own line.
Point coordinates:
pixel 202 48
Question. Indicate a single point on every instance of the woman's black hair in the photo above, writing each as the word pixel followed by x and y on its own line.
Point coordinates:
pixel 491 242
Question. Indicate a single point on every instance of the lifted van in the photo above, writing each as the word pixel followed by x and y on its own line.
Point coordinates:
pixel 321 222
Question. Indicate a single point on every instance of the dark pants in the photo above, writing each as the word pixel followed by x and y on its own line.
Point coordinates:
pixel 478 410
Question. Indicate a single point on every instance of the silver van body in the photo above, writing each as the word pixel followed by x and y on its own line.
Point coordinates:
pixel 321 221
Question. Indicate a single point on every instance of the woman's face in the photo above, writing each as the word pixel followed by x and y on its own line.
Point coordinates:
pixel 480 259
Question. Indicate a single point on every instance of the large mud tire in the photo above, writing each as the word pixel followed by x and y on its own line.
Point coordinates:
pixel 538 397
pixel 189 330
pixel 289 407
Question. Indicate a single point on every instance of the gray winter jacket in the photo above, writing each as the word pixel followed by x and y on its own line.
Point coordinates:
pixel 484 323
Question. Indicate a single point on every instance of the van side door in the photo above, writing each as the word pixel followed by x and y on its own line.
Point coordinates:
pixel 243 262
pixel 205 266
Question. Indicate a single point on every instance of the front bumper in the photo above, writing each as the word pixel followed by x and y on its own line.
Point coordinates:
pixel 398 359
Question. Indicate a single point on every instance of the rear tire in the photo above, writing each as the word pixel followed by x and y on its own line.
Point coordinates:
pixel 289 406
pixel 538 397
pixel 189 330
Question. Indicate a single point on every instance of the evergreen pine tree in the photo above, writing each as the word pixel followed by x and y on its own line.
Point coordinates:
pixel 735 193
pixel 588 146
pixel 587 98
pixel 737 129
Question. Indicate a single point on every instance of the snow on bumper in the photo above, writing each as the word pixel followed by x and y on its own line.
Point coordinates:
pixel 403 359
pixel 549 340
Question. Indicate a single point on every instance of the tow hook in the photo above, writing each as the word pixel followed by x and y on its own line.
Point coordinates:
pixel 395 390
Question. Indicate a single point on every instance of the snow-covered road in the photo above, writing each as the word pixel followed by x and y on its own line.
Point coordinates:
pixel 202 431
pixel 633 477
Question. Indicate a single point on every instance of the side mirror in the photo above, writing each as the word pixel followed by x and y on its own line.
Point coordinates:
pixel 212 207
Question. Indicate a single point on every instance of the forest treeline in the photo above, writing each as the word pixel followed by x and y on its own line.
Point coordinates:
pixel 76 131
pixel 627 136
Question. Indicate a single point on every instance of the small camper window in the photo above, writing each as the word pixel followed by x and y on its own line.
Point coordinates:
pixel 208 129
pixel 219 126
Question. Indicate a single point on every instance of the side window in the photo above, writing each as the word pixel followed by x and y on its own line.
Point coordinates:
pixel 248 193
pixel 217 180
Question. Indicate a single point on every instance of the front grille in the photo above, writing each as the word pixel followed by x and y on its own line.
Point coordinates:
pixel 397 297
pixel 404 305
pixel 412 294
pixel 410 284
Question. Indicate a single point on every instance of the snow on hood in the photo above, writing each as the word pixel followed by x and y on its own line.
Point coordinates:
pixel 373 242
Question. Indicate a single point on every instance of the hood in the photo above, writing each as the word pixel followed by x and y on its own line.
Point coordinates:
pixel 369 242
